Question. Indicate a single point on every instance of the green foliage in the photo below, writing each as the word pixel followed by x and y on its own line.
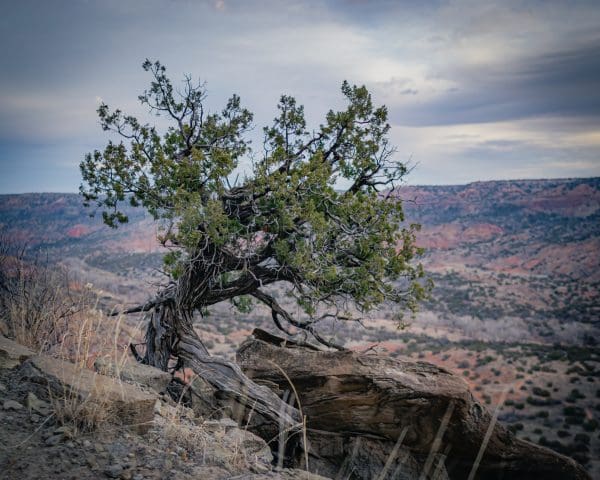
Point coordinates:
pixel 288 220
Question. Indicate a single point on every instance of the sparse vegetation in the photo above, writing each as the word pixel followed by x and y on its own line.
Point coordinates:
pixel 39 303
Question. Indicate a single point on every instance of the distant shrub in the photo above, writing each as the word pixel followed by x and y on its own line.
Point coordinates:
pixel 515 427
pixel 39 302
pixel 540 402
pixel 573 421
pixel 540 392
pixel 590 425
pixel 574 396
pixel 572 411
pixel 582 438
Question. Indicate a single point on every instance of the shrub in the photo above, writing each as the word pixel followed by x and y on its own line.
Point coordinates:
pixel 515 427
pixel 590 425
pixel 39 302
pixel 540 392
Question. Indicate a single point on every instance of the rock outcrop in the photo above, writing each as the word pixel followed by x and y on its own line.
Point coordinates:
pixel 121 402
pixel 174 442
pixel 136 373
pixel 13 354
pixel 411 418
pixel 367 417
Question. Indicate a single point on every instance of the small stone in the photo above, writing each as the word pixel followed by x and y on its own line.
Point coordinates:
pixel 64 430
pixel 53 440
pixel 113 471
pixel 12 405
pixel 33 403
pixel 91 461
pixel 137 476
pixel 2 387
pixel 259 468
pixel 87 443
pixel 35 418
pixel 126 475
pixel 70 444
pixel 228 422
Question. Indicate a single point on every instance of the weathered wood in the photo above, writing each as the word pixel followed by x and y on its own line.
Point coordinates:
pixel 228 378
pixel 171 333
pixel 379 397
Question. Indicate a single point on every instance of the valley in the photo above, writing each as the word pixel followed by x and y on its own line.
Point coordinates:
pixel 515 309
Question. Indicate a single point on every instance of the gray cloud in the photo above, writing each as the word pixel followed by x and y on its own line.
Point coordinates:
pixel 555 83
pixel 442 63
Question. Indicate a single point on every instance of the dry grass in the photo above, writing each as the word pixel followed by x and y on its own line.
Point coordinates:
pixel 42 308
pixel 82 415
pixel 38 300
pixel 92 336
pixel 179 429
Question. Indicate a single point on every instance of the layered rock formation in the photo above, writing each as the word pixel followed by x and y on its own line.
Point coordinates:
pixel 377 417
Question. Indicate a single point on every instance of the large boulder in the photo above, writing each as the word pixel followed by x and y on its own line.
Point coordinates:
pixel 102 396
pixel 134 372
pixel 404 407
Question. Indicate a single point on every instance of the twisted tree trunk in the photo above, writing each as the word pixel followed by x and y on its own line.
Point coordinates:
pixel 170 336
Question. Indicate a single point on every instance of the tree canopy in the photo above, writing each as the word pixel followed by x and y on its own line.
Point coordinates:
pixel 314 209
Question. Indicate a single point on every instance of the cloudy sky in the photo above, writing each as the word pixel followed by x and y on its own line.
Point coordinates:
pixel 476 90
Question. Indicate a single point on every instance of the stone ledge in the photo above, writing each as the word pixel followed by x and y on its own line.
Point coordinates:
pixel 12 354
pixel 126 404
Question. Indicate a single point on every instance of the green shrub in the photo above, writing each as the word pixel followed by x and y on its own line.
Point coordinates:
pixel 540 392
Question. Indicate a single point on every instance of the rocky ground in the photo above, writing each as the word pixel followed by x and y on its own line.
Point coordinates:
pixel 43 436
pixel 365 414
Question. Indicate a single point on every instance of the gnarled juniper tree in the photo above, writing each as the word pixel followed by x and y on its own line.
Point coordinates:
pixel 337 250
